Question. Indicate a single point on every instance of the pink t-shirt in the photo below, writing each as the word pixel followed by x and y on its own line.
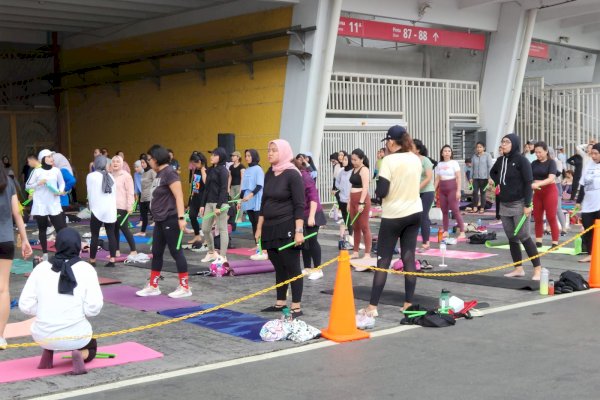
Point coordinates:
pixel 125 193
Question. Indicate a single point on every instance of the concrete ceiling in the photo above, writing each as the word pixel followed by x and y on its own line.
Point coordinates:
pixel 31 20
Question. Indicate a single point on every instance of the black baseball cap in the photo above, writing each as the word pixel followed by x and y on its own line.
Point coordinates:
pixel 395 133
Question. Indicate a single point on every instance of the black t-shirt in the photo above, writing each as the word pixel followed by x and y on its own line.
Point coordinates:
pixel 541 170
pixel 163 204
pixel 236 174
pixel 197 184
pixel 283 197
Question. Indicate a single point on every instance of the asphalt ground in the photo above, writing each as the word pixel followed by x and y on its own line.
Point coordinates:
pixel 185 345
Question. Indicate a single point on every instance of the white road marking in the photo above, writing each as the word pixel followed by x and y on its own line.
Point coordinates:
pixel 280 353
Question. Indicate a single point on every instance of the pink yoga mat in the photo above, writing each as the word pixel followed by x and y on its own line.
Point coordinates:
pixel 249 267
pixel 242 252
pixel 18 329
pixel 103 255
pixel 433 238
pixel 26 368
pixel 124 296
pixel 458 254
pixel 50 246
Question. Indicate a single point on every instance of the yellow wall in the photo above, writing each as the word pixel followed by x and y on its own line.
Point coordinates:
pixel 184 114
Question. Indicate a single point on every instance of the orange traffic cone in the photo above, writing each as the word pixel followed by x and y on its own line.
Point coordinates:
pixel 342 321
pixel 594 278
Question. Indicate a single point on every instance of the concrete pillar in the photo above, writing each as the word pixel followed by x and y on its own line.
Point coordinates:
pixel 307 88
pixel 500 74
pixel 596 78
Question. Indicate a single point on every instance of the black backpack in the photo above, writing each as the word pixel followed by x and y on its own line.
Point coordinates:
pixel 573 280
pixel 481 238
pixel 431 318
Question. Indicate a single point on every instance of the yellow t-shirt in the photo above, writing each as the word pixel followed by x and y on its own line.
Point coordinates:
pixel 403 171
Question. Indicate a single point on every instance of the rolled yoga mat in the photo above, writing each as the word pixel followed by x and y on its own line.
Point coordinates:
pixel 249 267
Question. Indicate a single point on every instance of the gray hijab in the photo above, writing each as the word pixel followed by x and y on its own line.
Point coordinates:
pixel 100 166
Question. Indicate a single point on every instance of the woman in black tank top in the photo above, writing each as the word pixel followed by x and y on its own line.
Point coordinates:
pixel 360 202
pixel 355 179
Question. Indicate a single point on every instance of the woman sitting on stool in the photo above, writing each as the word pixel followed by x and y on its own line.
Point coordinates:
pixel 61 293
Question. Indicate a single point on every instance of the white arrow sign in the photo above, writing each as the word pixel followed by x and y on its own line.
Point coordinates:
pixel 435 36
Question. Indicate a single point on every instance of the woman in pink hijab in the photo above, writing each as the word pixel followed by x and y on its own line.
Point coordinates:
pixel 281 221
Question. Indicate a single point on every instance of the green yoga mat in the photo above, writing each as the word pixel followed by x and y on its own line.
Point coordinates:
pixel 20 267
pixel 563 250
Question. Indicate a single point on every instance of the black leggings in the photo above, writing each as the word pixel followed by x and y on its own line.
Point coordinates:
pixel 253 217
pixel 588 219
pixel 311 251
pixel 426 201
pixel 166 233
pixel 479 186
pixel 194 211
pixel 144 208
pixel 113 245
pixel 344 210
pixel 124 227
pixel 287 265
pixel 58 221
pixel 390 230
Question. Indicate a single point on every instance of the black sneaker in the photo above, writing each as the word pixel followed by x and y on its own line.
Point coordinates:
pixel 109 264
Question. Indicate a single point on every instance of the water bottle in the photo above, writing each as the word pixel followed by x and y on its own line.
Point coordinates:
pixel 450 214
pixel 550 287
pixel 445 299
pixel 478 222
pixel 443 251
pixel 544 282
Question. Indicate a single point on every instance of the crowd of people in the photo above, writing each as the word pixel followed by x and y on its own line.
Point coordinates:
pixel 282 205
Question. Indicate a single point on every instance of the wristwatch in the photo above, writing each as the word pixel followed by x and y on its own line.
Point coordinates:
pixel 299 230
pixel 181 218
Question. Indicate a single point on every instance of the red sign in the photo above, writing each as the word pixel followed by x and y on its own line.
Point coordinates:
pixel 539 50
pixel 376 30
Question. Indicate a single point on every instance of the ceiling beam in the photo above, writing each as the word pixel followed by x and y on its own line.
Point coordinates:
pixel 178 3
pixel 552 13
pixel 39 27
pixel 473 3
pixel 63 15
pixel 16 35
pixel 75 6
pixel 580 20
pixel 119 5
pixel 591 28
pixel 51 21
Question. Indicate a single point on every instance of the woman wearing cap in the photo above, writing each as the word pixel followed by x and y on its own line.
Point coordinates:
pixel 281 220
pixel 398 187
pixel 198 161
pixel 360 202
pixel 9 211
pixel 61 294
pixel 252 190
pixel 513 178
pixel 146 195
pixel 102 198
pixel 125 200
pixel 448 184
pixel 214 205
pixel 48 185
pixel 168 212
pixel 236 175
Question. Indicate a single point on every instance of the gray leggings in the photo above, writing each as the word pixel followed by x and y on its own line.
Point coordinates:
pixel 221 227
pixel 509 224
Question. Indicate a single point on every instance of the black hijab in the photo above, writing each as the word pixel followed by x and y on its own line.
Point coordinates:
pixel 68 247
pixel 45 165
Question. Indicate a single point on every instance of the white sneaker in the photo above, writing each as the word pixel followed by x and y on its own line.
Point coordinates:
pixel 51 238
pixel 50 230
pixel 149 290
pixel 210 257
pixel 361 246
pixel 202 249
pixel 259 257
pixel 87 235
pixel 102 231
pixel 180 292
pixel 364 321
pixel 3 344
pixel 339 221
pixel 316 275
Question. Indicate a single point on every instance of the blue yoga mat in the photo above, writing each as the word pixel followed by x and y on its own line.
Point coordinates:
pixel 137 239
pixel 245 224
pixel 245 326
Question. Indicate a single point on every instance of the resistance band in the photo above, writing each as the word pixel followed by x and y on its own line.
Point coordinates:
pixel 287 246
pixel 127 215
pixel 521 222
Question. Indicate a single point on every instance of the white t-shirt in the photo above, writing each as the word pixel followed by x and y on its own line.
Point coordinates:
pixel 590 180
pixel 61 315
pixel 45 199
pixel 447 170
pixel 403 171
pixel 102 205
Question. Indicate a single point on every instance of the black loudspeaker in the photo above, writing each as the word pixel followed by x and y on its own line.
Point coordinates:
pixel 226 141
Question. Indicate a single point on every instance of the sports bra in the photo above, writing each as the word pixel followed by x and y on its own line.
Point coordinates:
pixel 356 180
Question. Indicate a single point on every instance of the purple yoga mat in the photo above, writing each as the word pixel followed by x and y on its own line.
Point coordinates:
pixel 124 296
pixel 102 255
pixel 249 267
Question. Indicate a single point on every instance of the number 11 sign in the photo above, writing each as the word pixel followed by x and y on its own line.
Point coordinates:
pixel 377 30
